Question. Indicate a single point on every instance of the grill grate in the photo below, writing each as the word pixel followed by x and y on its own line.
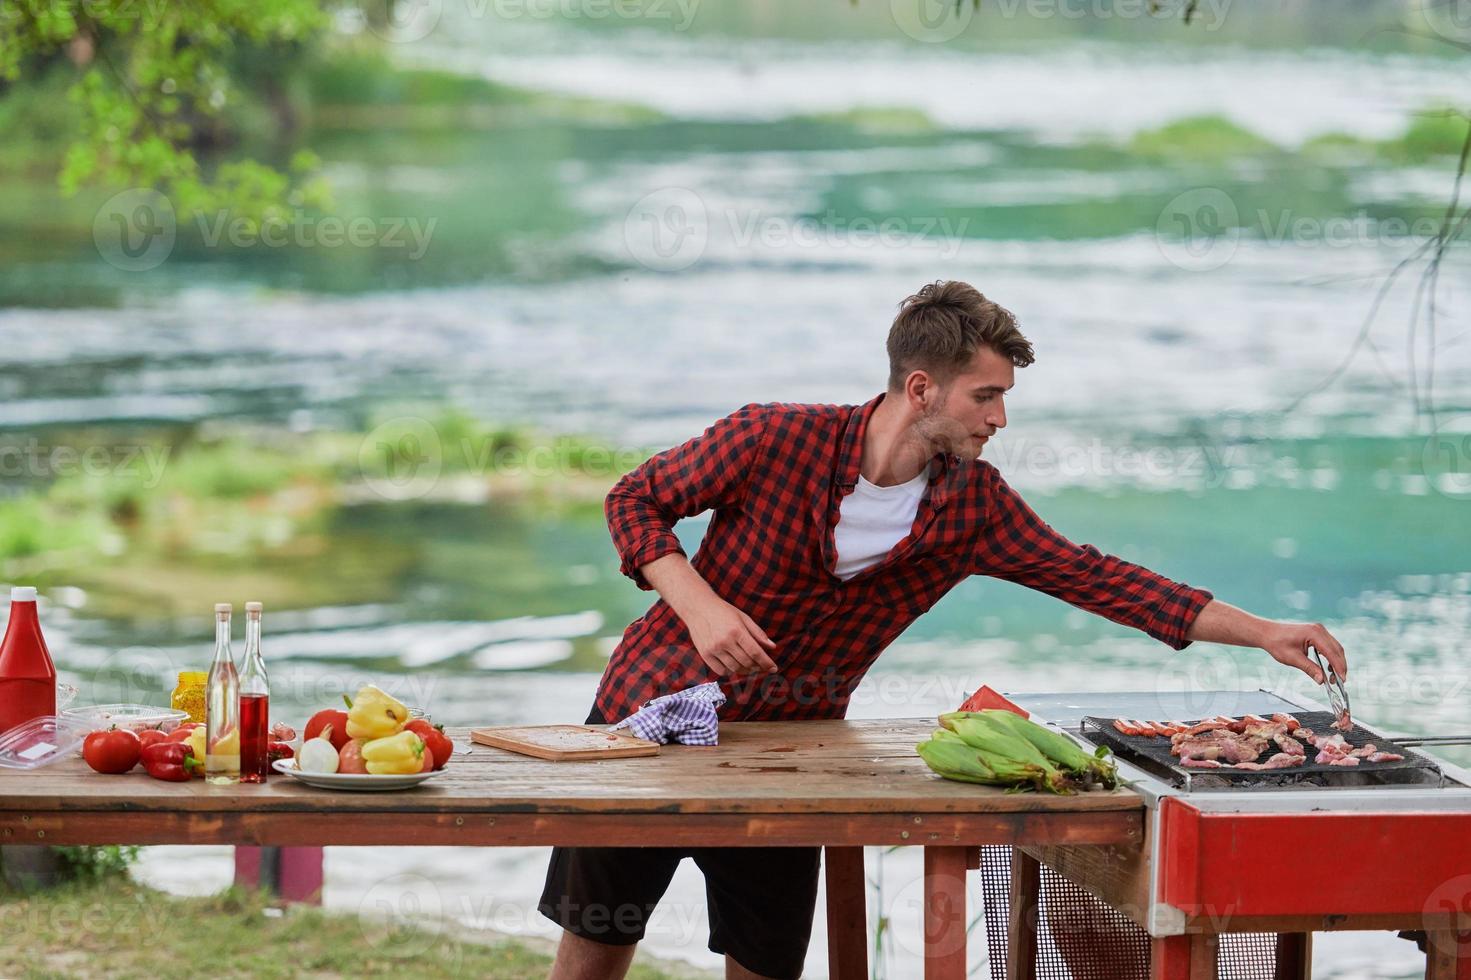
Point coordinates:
pixel 1156 749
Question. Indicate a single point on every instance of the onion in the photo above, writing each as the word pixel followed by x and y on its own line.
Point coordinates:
pixel 317 755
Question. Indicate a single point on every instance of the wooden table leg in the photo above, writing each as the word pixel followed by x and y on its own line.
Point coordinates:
pixel 847 914
pixel 944 912
pixel 1447 955
pixel 1294 956
pixel 1192 957
pixel 1021 924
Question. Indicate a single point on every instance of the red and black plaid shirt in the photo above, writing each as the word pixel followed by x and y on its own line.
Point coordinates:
pixel 775 475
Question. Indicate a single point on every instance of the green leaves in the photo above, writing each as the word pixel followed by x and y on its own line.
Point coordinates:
pixel 154 81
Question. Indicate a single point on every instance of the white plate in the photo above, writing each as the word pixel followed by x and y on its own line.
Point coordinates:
pixel 352 780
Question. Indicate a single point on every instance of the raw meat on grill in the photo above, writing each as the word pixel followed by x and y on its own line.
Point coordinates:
pixel 1384 757
pixel 1289 745
pixel 1282 760
pixel 1240 743
pixel 1225 746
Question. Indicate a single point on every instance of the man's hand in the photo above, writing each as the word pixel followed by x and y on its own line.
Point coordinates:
pixel 1221 622
pixel 728 640
pixel 1288 644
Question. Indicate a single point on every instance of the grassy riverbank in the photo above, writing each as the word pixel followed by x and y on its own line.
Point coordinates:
pixel 210 509
pixel 118 929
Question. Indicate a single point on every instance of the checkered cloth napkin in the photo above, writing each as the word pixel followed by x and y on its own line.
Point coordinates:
pixel 686 716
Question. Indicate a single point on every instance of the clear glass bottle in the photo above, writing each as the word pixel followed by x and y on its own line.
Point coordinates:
pixel 222 707
pixel 255 702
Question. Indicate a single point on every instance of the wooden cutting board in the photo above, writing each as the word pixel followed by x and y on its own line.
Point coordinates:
pixel 564 743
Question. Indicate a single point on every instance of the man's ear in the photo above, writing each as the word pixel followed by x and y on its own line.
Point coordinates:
pixel 920 390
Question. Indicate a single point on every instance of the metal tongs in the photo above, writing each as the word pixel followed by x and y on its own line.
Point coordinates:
pixel 1337 695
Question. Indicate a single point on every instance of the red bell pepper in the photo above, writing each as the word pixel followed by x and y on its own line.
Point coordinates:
pixel 278 750
pixel 173 761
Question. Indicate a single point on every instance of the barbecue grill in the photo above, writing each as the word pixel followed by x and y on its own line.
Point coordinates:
pixel 1153 753
pixel 1265 856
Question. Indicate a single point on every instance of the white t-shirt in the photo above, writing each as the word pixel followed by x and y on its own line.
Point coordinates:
pixel 872 519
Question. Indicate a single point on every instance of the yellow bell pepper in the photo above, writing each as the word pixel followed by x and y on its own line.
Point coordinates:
pixel 395 755
pixel 375 714
pixel 196 743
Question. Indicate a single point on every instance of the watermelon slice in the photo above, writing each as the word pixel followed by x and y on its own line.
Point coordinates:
pixel 987 698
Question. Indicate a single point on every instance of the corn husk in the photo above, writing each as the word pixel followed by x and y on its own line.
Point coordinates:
pixel 1062 751
pixel 1009 756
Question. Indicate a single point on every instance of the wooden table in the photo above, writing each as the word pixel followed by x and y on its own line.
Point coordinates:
pixel 836 784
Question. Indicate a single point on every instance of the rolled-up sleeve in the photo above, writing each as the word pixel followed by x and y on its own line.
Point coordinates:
pixel 711 470
pixel 1017 545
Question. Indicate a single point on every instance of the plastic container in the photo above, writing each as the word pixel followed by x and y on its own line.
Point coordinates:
pixel 41 741
pixel 137 717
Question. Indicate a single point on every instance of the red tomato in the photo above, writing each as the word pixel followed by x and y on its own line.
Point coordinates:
pixel 435 740
pixel 150 736
pixel 428 761
pixel 328 716
pixel 115 750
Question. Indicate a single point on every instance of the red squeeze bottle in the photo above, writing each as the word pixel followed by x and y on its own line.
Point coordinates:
pixel 27 675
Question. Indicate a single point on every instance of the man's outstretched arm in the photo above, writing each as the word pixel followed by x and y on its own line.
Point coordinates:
pixel 1017 545
pixel 1287 643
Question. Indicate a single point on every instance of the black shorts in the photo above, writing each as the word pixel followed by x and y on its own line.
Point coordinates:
pixel 760 899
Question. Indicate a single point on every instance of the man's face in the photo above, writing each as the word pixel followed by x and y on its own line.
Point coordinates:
pixel 960 416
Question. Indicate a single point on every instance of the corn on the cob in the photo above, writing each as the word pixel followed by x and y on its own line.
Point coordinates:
pixel 1012 758
pixel 1061 750
pixel 953 759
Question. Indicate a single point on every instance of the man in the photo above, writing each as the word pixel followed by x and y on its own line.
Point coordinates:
pixel 834 527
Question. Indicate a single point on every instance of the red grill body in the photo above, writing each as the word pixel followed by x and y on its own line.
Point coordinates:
pixel 1234 876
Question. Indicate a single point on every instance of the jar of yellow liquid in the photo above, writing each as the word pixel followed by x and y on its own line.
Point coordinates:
pixel 189 695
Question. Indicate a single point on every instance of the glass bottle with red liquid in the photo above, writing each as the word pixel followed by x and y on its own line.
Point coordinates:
pixel 255 703
pixel 27 675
